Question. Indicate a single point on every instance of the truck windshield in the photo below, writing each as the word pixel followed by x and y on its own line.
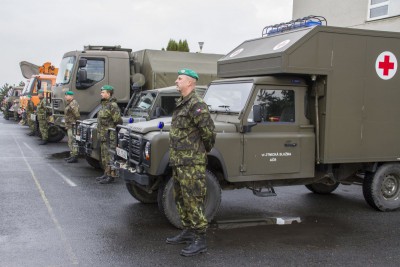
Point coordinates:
pixel 26 88
pixel 65 70
pixel 227 97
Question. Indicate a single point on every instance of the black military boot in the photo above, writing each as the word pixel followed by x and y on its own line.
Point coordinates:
pixel 31 134
pixel 98 179
pixel 67 158
pixel 198 246
pixel 73 159
pixel 43 142
pixel 107 180
pixel 185 237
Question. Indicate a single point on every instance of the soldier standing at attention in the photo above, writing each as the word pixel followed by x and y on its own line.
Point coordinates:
pixel 42 117
pixel 191 137
pixel 72 114
pixel 109 116
pixel 29 111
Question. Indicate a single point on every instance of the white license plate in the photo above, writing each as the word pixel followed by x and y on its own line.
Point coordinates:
pixel 122 153
pixel 33 117
pixel 77 137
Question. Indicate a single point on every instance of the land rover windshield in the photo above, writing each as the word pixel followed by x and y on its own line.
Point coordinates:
pixel 227 97
pixel 65 70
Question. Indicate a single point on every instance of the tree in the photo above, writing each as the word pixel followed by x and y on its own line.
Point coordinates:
pixel 182 46
pixel 3 91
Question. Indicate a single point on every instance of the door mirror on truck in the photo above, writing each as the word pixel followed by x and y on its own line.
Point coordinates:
pixel 82 62
pixel 82 75
pixel 257 113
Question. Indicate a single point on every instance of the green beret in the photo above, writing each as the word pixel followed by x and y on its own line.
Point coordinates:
pixel 28 96
pixel 41 91
pixel 189 72
pixel 107 87
pixel 69 93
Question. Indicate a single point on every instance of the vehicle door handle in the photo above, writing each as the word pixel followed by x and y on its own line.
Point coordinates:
pixel 290 145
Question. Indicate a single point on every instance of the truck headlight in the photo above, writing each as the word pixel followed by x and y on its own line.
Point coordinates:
pixel 147 151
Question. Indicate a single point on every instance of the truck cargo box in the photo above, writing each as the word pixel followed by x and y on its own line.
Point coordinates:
pixel 160 67
pixel 359 104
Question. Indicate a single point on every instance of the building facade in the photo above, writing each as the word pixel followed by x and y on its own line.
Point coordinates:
pixel 364 14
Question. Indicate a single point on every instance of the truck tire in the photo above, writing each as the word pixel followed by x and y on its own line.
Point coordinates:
pixel 55 134
pixel 94 162
pixel 381 189
pixel 322 189
pixel 212 202
pixel 141 195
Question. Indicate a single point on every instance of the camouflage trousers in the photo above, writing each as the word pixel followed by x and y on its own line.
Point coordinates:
pixel 31 123
pixel 189 193
pixel 44 129
pixel 71 144
pixel 105 160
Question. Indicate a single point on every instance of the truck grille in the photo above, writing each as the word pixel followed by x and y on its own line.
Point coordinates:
pixel 56 103
pixel 84 131
pixel 135 148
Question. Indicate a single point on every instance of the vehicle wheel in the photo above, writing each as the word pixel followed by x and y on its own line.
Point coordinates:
pixel 212 202
pixel 94 162
pixel 141 195
pixel 322 189
pixel 55 134
pixel 381 189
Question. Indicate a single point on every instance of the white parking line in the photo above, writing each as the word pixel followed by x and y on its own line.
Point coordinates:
pixel 68 247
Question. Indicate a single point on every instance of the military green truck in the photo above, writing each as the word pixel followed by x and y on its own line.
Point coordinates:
pixel 143 106
pixel 85 72
pixel 302 105
pixel 11 101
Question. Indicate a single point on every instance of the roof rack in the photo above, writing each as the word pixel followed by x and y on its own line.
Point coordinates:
pixel 309 21
pixel 105 48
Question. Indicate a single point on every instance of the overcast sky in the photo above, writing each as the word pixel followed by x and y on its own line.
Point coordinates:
pixel 40 31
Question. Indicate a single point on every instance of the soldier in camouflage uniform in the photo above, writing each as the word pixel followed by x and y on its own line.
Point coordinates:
pixel 191 137
pixel 71 113
pixel 30 109
pixel 41 113
pixel 109 116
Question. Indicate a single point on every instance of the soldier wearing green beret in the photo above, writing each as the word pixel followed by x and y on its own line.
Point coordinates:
pixel 41 113
pixel 191 137
pixel 72 114
pixel 30 109
pixel 109 116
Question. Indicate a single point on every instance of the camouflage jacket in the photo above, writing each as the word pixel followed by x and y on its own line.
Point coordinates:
pixel 192 132
pixel 109 116
pixel 41 109
pixel 71 113
pixel 30 107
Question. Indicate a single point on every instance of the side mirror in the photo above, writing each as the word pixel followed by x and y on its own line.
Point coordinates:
pixel 39 84
pixel 257 113
pixel 82 75
pixel 82 62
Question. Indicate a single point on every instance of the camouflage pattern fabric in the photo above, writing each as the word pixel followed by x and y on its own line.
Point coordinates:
pixel 191 137
pixel 189 193
pixel 29 111
pixel 42 119
pixel 71 113
pixel 192 132
pixel 73 148
pixel 109 116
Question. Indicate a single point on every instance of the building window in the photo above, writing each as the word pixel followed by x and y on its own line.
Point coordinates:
pixel 378 9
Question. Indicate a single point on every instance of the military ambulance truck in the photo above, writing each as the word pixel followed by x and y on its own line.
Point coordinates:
pixel 314 106
pixel 143 106
pixel 85 72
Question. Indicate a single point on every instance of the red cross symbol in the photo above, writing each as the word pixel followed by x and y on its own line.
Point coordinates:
pixel 386 65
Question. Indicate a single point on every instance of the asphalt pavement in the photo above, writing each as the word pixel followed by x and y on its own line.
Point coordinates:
pixel 55 214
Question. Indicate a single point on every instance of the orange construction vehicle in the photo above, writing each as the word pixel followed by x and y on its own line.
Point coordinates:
pixel 39 77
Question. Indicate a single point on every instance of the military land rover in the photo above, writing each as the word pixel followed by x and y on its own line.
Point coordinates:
pixel 302 105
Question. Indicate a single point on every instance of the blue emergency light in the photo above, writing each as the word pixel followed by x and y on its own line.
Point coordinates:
pixel 310 21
